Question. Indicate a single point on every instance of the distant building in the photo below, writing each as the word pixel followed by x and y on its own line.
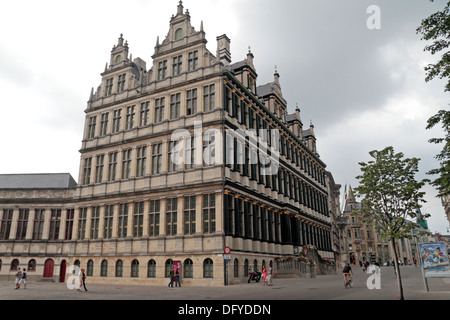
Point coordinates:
pixel 178 161
pixel 365 244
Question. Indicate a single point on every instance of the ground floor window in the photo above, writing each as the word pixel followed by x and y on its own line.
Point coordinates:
pixel 208 268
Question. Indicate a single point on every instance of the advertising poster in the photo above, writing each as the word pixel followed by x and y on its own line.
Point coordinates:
pixel 434 259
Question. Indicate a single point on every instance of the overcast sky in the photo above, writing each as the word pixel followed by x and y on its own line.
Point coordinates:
pixel 363 89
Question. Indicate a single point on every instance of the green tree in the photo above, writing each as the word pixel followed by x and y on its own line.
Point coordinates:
pixel 390 196
pixel 436 28
pixel 442 182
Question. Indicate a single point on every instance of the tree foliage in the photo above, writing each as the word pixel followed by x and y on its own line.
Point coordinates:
pixel 436 28
pixel 442 182
pixel 391 194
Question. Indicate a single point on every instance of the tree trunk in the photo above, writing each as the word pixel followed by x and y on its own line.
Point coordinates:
pixel 399 278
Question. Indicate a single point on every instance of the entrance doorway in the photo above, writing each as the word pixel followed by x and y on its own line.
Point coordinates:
pixel 62 271
pixel 48 268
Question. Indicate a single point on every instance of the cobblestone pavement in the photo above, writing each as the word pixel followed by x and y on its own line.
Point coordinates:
pixel 329 287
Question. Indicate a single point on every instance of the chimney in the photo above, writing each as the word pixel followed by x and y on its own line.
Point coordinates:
pixel 223 49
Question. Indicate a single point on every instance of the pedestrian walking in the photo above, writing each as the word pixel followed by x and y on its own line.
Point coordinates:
pixel 269 275
pixel 18 278
pixel 177 278
pixel 83 279
pixel 79 280
pixel 171 274
pixel 23 279
pixel 264 274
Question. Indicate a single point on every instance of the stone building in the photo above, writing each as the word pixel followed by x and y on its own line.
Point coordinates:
pixel 365 244
pixel 179 159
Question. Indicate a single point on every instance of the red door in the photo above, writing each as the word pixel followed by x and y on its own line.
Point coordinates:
pixel 48 268
pixel 62 271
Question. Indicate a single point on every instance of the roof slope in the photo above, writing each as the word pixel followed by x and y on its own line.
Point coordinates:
pixel 37 181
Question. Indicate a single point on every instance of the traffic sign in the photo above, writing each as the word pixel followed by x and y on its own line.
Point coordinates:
pixel 227 257
pixel 227 250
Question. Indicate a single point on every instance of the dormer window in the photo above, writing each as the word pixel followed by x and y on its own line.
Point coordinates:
pixel 178 34
pixel 162 70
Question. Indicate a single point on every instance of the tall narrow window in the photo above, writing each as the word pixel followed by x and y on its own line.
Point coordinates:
pixel 123 220
pixel 112 166
pixel 55 220
pixel 209 148
pixel 6 224
pixel 121 83
pixel 175 106
pixel 177 65
pixel 209 213
pixel 144 114
pixel 209 98
pixel 38 225
pixel 91 127
pixel 138 219
pixel 173 157
pixel 171 216
pixel 69 224
pixel 22 224
pixel 82 223
pixel 154 218
pixel 99 168
pixel 95 222
pixel 189 215
pixel 191 102
pixel 130 117
pixel 108 222
pixel 159 109
pixel 116 120
pixel 156 158
pixel 162 70
pixel 104 124
pixel 87 171
pixel 109 87
pixel 126 164
pixel 189 152
pixel 193 61
pixel 141 161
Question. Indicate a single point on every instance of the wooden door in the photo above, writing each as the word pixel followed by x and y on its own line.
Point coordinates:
pixel 48 268
pixel 62 271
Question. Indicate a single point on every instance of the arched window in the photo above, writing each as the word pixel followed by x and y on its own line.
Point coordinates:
pixel 246 271
pixel 90 268
pixel 208 268
pixel 104 269
pixel 169 266
pixel 151 272
pixel 236 268
pixel 119 268
pixel 32 265
pixel 77 263
pixel 255 265
pixel 178 34
pixel 188 268
pixel 135 268
pixel 14 264
pixel 1 264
